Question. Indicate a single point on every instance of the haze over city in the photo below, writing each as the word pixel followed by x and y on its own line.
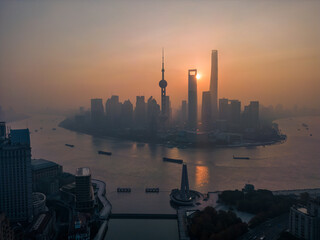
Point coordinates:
pixel 60 54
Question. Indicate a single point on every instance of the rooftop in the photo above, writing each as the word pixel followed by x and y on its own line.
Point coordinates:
pixel 38 164
pixel 303 210
pixel 85 171
pixel 20 137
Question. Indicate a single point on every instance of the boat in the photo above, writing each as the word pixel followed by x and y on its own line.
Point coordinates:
pixel 69 145
pixel 179 161
pixel 105 153
pixel 234 157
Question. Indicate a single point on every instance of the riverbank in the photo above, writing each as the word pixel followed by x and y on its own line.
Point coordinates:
pixel 169 140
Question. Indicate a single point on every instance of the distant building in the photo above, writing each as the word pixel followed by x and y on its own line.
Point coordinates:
pixel 223 108
pixel 184 112
pixel 84 190
pixel 168 111
pixel 304 222
pixel 234 112
pixel 127 114
pixel 113 111
pixel 214 84
pixel 153 113
pixel 248 188
pixel 140 113
pixel 229 111
pixel 16 176
pixel 97 112
pixel 251 115
pixel 6 232
pixel 192 99
pixel 1 114
pixel 206 111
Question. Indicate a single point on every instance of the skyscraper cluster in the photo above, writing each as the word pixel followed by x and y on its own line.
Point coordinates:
pixel 118 115
pixel 226 116
pixel 147 115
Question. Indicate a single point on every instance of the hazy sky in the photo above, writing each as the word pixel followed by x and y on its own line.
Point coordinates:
pixel 62 53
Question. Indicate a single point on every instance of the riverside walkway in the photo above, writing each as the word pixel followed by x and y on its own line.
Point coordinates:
pixel 105 212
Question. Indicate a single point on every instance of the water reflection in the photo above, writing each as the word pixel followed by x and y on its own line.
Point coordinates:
pixel 202 176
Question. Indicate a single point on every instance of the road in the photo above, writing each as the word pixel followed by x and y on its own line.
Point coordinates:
pixel 271 229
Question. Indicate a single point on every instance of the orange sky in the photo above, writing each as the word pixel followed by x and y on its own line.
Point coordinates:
pixel 60 54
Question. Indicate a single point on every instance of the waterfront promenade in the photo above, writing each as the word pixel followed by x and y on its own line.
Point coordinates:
pixel 105 212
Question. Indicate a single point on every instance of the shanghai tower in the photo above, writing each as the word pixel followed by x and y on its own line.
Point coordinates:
pixel 214 84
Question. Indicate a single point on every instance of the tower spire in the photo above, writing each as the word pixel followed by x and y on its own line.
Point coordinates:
pixel 162 70
pixel 163 84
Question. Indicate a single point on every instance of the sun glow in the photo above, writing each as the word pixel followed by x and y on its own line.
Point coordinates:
pixel 198 76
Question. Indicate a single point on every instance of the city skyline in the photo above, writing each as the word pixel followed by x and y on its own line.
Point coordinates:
pixel 159 120
pixel 77 52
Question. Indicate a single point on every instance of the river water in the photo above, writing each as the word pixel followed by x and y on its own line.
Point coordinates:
pixel 293 164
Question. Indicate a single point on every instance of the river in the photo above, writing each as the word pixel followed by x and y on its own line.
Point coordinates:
pixel 293 164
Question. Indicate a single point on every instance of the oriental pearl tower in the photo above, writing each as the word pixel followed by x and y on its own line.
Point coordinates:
pixel 163 84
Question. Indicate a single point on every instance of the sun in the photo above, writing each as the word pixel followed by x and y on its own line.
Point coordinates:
pixel 198 76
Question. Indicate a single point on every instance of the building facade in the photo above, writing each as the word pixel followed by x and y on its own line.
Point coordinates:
pixel 214 84
pixel 192 99
pixel 206 110
pixel 16 176
pixel 84 190
pixel 97 112
pixel 304 221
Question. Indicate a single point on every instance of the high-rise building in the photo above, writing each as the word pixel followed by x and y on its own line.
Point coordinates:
pixel 304 221
pixel 254 113
pixel 184 111
pixel 206 110
pixel 251 115
pixel 234 112
pixel 127 114
pixel 16 176
pixel 84 190
pixel 97 112
pixel 113 111
pixel 153 111
pixel 214 84
pixel 140 113
pixel 169 110
pixel 192 99
pixel 223 108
